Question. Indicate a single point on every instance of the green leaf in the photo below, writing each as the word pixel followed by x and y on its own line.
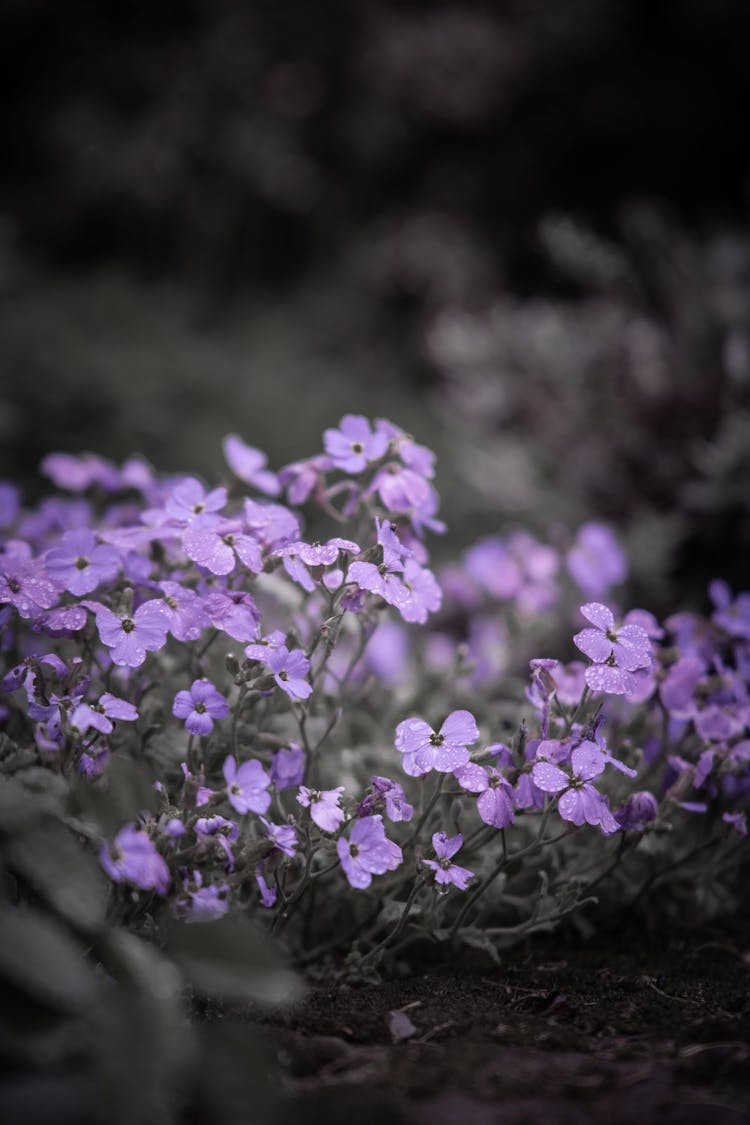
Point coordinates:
pixel 229 959
pixel 51 860
pixel 28 797
pixel 39 957
pixel 478 939
pixel 129 791
pixel 144 1041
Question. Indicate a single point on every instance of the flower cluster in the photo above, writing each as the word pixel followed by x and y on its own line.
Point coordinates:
pixel 270 678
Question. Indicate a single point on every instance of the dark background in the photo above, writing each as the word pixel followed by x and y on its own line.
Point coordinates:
pixel 518 229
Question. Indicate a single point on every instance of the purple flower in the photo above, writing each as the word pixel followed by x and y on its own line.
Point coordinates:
pixel 77 473
pixel 260 650
pixel 133 858
pixel 249 464
pixel 183 611
pixel 386 795
pixel 367 852
pixel 425 595
pixel 639 810
pixel 732 617
pixel 212 543
pixel 300 478
pixel 289 669
pixel 234 613
pixel 267 894
pixel 615 652
pixel 271 524
pixel 189 501
pixel 203 903
pixel 595 561
pixel 737 821
pixel 445 871
pixel 288 767
pixel 283 837
pixel 401 489
pixel 298 556
pixel 200 706
pixel 678 687
pixel 24 584
pixel 131 636
pixel 495 801
pixel 354 445
pixel 100 715
pixel 60 622
pixel 221 831
pixel 324 806
pixel 445 751
pixel 580 802
pixel 79 564
pixel 10 501
pixel 247 786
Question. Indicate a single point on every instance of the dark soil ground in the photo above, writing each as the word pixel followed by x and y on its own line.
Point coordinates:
pixel 627 1029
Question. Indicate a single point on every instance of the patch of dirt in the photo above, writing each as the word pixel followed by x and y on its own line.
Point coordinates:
pixel 623 1030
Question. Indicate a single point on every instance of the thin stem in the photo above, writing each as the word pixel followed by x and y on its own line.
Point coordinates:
pixel 430 806
pixel 502 863
pixel 398 928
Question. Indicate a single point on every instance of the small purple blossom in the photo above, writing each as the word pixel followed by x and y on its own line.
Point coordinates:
pixel 324 806
pixel 24 583
pixel 289 670
pixel 203 903
pixel 444 750
pixel 247 786
pixel 100 715
pixel 354 445
pixel 446 872
pixel 79 564
pixel 131 636
pixel 495 800
pixel 134 859
pixel 189 501
pixel 282 836
pixel 639 810
pixel 596 562
pixel 234 612
pixel 386 795
pixel 288 766
pixel 200 706
pixel 367 852
pixel 249 464
pixel 615 652
pixel 213 542
pixel 580 802
pixel 183 611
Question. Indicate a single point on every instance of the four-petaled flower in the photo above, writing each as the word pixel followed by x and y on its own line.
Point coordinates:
pixel 130 636
pixel 354 445
pixel 324 806
pixel 133 858
pixel 247 786
pixel 200 706
pixel 289 670
pixel 100 715
pixel 79 564
pixel 580 802
pixel 386 795
pixel 445 750
pixel 446 872
pixel 616 653
pixel 249 464
pixel 367 852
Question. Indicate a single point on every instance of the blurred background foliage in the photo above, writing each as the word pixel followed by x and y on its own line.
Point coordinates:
pixel 519 231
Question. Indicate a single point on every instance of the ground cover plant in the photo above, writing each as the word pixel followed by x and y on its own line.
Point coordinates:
pixel 248 728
